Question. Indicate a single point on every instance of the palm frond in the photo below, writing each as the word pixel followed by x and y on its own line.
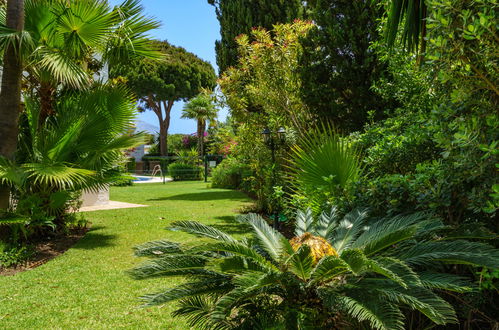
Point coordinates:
pixel 198 313
pixel 61 67
pixel 304 222
pixel 301 262
pixel 168 265
pixel 327 222
pixel 442 281
pixel 157 249
pixel 60 175
pixel 389 231
pixel 238 249
pixel 452 252
pixel 196 228
pixel 379 314
pixel 423 300
pixel 273 242
pixel 413 16
pixel 349 228
pixel 328 268
pixel 207 286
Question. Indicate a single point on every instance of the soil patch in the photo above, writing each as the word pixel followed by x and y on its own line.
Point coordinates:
pixel 46 250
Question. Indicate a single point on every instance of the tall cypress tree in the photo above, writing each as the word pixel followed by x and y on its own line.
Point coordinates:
pixel 239 16
pixel 337 77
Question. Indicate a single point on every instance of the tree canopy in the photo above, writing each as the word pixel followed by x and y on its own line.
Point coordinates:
pixel 337 76
pixel 179 75
pixel 240 16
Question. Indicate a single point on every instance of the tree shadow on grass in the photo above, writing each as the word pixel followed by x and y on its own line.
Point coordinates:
pixel 230 226
pixel 204 196
pixel 94 240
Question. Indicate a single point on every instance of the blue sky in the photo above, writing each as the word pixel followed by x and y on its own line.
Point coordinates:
pixel 191 24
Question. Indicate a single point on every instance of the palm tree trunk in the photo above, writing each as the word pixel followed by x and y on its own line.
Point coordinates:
pixel 10 94
pixel 46 94
pixel 200 133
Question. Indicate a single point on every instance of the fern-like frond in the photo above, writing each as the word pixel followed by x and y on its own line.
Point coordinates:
pixel 209 286
pixel 349 228
pixel 327 222
pixel 443 281
pixel 301 262
pixel 157 249
pixel 388 231
pixel 169 265
pixel 327 269
pixel 304 222
pixel 197 311
pixel 274 243
pixel 196 228
pixel 452 252
pixel 379 314
pixel 241 250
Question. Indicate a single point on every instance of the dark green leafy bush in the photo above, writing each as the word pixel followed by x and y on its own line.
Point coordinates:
pixel 181 171
pixel 231 174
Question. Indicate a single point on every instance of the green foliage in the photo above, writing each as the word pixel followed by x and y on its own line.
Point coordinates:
pixel 231 174
pixel 240 16
pixel 178 75
pixel 76 150
pixel 58 36
pixel 322 166
pixel 12 255
pixel 181 171
pixel 189 157
pixel 123 180
pixel 265 81
pixel 377 269
pixel 338 65
pixel 202 109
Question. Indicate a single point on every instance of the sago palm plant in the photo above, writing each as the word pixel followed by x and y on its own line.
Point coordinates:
pixel 351 272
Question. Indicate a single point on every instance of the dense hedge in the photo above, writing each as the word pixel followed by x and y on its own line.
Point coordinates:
pixel 181 171
pixel 231 174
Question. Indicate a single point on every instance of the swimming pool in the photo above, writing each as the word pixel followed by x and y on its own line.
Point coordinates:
pixel 149 179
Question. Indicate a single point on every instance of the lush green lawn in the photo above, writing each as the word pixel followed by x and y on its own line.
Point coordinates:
pixel 87 286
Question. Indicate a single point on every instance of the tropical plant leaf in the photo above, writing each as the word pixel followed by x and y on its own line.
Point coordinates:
pixel 327 269
pixel 301 262
pixel 157 249
pixel 196 228
pixel 304 222
pixel 349 228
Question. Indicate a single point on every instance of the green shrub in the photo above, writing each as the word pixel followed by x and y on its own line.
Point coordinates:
pixel 231 174
pixel 351 272
pixel 14 255
pixel 123 181
pixel 181 171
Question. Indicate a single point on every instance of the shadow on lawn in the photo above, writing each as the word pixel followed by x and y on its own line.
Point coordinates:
pixel 204 196
pixel 94 240
pixel 230 226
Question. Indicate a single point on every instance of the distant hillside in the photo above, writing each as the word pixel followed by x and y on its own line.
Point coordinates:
pixel 142 126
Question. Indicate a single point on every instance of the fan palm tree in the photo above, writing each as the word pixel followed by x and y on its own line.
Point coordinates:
pixel 321 163
pixel 62 40
pixel 347 272
pixel 202 109
pixel 78 149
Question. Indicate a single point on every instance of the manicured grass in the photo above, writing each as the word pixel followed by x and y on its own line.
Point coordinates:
pixel 87 286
